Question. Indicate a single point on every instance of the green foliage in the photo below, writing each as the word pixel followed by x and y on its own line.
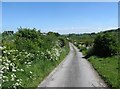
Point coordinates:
pixel 62 42
pixel 90 52
pixel 86 38
pixel 53 33
pixel 105 45
pixel 27 33
pixel 83 42
pixel 6 33
pixel 108 69
pixel 27 39
pixel 29 56
pixel 103 50
pixel 101 44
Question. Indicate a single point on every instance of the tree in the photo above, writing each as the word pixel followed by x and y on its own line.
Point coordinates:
pixel 53 33
pixel 27 33
pixel 105 45
pixel 7 33
pixel 27 39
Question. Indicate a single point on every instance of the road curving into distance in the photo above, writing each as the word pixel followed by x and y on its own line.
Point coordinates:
pixel 74 71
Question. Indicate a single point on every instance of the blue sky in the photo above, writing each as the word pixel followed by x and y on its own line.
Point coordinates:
pixel 69 17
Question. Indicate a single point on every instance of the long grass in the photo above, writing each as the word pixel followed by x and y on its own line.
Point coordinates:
pixel 107 69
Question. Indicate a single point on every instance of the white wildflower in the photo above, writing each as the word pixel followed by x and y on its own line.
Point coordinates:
pixel 13 75
pixel 1 48
pixel 13 70
pixel 7 64
pixel 25 62
pixel 4 47
pixel 26 53
pixel 30 72
pixel 7 68
pixel 14 59
pixel 17 80
pixel 17 84
pixel 8 61
pixel 21 70
pixel 29 63
pixel 8 52
pixel 5 51
pixel 3 76
pixel 3 68
pixel 12 79
pixel 3 80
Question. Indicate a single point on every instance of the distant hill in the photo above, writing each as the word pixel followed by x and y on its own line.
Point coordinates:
pixel 88 38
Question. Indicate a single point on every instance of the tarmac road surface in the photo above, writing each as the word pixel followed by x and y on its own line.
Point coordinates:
pixel 74 71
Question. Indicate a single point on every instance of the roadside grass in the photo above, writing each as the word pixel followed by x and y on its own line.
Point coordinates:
pixel 107 69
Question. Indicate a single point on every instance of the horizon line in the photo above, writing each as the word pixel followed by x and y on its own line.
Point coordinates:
pixel 63 33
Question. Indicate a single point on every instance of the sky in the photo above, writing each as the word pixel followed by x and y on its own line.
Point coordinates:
pixel 60 0
pixel 61 17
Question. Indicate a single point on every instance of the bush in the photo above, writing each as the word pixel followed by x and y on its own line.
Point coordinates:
pixel 61 42
pixel 27 39
pixel 28 33
pixel 89 52
pixel 82 48
pixel 105 45
pixel 28 56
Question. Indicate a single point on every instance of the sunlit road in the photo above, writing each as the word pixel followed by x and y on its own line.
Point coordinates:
pixel 74 71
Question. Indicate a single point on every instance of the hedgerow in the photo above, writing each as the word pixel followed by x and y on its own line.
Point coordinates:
pixel 28 56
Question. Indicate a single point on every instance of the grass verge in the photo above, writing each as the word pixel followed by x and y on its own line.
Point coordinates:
pixel 107 69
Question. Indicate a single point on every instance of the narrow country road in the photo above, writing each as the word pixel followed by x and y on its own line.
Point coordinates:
pixel 74 71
